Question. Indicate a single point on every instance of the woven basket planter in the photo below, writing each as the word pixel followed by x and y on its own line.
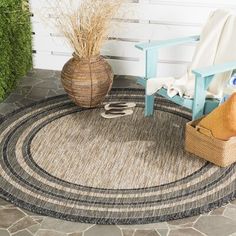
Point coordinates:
pixel 87 81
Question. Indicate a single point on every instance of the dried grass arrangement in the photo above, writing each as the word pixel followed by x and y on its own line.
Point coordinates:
pixel 85 23
pixel 87 77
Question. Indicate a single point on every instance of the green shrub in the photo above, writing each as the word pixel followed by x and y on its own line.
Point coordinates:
pixel 15 44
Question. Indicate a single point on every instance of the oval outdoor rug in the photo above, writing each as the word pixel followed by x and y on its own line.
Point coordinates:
pixel 61 161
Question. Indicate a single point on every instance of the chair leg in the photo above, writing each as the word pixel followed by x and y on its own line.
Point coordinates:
pixel 150 72
pixel 196 115
pixel 149 105
pixel 201 86
pixel 198 106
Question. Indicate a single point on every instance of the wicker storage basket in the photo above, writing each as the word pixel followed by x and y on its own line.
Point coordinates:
pixel 200 142
pixel 87 81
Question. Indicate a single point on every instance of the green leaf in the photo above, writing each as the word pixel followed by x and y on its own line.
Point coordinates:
pixel 15 44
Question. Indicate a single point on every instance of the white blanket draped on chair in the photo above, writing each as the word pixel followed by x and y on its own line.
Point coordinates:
pixel 217 45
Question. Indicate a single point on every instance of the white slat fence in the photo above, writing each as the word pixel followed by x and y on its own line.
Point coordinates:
pixel 138 20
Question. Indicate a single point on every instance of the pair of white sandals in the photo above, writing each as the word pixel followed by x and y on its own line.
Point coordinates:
pixel 118 109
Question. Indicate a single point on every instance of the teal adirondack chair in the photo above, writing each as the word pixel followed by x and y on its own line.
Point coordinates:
pixel 199 105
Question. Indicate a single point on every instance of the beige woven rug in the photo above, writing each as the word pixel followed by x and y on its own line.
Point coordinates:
pixel 59 160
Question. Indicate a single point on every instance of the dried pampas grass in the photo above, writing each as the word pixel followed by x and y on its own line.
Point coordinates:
pixel 85 24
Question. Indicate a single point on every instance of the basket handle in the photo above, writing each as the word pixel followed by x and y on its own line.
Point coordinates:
pixel 204 131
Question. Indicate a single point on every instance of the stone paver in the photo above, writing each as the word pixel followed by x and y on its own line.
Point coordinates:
pixel 216 225
pixel 76 234
pixel 49 233
pixel 121 82
pixel 233 202
pixel 34 228
pixel 12 98
pixel 183 221
pixel 9 206
pixel 37 218
pixel 9 217
pixel 63 226
pixel 218 211
pixel 230 213
pixel 102 230
pixel 4 232
pixel 22 233
pixel 23 91
pixel 31 213
pixel 41 74
pixel 128 232
pixel 39 84
pixel 60 91
pixel 3 202
pixel 185 232
pixel 48 84
pixel 52 93
pixel 7 108
pixel 162 225
pixel 146 233
pixel 29 82
pixel 24 102
pixel 163 232
pixel 22 224
pixel 37 93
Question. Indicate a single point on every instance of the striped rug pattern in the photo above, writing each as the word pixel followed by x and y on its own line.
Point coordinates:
pixel 70 163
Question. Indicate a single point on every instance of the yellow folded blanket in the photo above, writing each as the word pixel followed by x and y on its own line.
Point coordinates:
pixel 222 121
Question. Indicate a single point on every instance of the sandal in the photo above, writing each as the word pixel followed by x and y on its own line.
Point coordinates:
pixel 119 105
pixel 115 113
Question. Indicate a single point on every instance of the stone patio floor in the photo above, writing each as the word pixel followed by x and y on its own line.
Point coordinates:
pixel 39 84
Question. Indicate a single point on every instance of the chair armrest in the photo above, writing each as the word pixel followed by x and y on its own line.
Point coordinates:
pixel 167 43
pixel 215 69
